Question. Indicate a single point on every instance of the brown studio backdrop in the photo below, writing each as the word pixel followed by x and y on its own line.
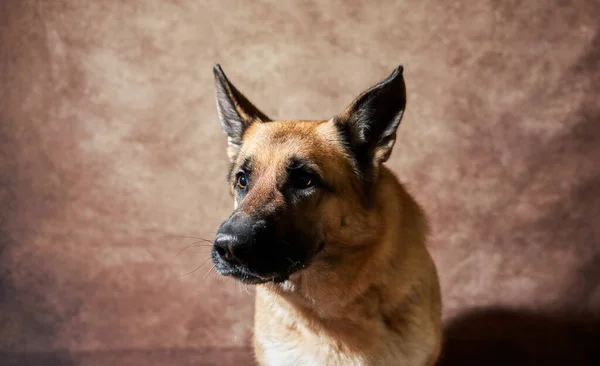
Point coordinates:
pixel 110 148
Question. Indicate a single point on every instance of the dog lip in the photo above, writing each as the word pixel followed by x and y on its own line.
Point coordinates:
pixel 245 276
pixel 253 279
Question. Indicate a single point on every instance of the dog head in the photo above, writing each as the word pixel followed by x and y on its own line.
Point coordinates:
pixel 296 184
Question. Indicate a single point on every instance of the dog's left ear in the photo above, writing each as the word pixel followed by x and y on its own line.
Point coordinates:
pixel 236 113
pixel 369 124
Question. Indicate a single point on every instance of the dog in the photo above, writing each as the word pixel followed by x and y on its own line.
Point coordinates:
pixel 334 243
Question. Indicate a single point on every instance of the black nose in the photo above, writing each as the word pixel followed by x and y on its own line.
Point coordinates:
pixel 237 238
pixel 230 248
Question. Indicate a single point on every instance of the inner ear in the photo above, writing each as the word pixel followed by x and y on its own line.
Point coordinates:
pixel 236 112
pixel 369 123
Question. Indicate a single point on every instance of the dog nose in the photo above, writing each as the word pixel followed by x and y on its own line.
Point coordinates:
pixel 229 248
pixel 237 238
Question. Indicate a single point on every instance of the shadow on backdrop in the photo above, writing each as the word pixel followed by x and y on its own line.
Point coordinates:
pixel 37 359
pixel 512 337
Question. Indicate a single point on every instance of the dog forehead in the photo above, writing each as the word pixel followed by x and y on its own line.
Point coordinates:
pixel 271 146
pixel 282 131
pixel 280 139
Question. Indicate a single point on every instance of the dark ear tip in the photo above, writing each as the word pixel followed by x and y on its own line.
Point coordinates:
pixel 396 76
pixel 398 71
pixel 218 71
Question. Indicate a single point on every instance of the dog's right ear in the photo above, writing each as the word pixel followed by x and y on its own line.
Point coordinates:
pixel 369 124
pixel 236 113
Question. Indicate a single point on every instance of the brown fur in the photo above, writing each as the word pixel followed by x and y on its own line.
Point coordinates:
pixel 371 296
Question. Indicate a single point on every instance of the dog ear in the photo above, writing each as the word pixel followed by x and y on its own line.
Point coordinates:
pixel 370 122
pixel 236 113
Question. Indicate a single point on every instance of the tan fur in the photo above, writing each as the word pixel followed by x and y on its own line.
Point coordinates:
pixel 372 297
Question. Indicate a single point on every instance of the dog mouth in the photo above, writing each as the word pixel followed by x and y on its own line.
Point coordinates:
pixel 253 279
pixel 246 275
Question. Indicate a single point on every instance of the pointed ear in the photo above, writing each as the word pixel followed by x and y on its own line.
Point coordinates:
pixel 369 124
pixel 236 113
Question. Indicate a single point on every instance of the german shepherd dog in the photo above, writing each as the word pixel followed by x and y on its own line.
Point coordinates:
pixel 334 243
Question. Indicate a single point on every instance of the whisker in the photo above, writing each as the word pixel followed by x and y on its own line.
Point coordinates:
pixel 242 286
pixel 193 245
pixel 197 268
pixel 190 237
pixel 209 271
pixel 265 278
pixel 294 264
pixel 197 244
pixel 223 279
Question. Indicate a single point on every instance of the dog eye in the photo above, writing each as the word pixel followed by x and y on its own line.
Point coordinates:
pixel 242 180
pixel 302 180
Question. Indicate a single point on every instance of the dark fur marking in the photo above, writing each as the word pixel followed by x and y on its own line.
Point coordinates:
pixel 361 158
pixel 343 221
pixel 387 321
pixel 297 163
pixel 371 122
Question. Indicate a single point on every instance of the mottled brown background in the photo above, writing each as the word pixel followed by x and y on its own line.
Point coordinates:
pixel 110 150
